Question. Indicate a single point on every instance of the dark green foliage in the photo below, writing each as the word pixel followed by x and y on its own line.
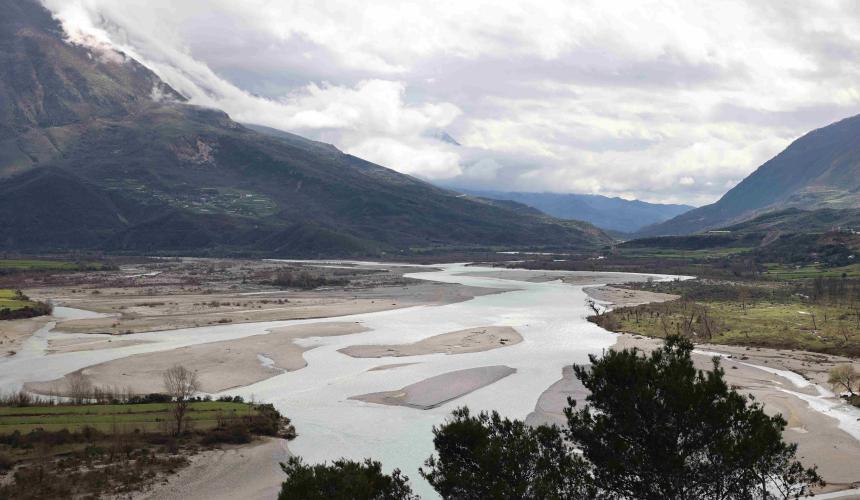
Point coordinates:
pixel 657 428
pixel 148 398
pixel 486 456
pixel 232 432
pixel 343 480
pixel 30 311
pixel 289 278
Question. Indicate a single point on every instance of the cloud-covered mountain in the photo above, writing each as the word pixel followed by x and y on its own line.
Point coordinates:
pixel 98 152
pixel 819 170
pixel 615 214
pixel 672 103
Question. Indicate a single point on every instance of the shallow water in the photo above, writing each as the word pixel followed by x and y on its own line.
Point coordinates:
pixel 550 316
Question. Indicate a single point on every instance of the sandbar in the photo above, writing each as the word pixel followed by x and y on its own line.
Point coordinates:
pixel 623 297
pixel 219 365
pixel 436 391
pixel 462 341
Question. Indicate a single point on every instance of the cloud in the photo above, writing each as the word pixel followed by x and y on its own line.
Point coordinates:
pixel 632 99
pixel 370 119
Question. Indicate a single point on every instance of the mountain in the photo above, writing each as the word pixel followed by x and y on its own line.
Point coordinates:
pixel 98 153
pixel 829 237
pixel 801 221
pixel 614 214
pixel 819 170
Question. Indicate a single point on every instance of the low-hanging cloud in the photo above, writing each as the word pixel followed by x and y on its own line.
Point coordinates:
pixel 670 100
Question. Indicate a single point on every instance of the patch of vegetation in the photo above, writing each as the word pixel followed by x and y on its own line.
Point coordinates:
pixel 821 315
pixel 53 450
pixel 11 266
pixel 306 280
pixel 146 417
pixel 15 305
pixel 343 480
pixel 206 200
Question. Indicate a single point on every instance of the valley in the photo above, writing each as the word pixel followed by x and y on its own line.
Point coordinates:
pixel 311 352
pixel 242 254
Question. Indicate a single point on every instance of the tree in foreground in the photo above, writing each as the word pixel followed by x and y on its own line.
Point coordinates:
pixel 486 456
pixel 655 427
pixel 180 384
pixel 343 480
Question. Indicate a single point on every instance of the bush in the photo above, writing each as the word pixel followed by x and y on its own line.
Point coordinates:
pixel 232 433
pixel 304 280
pixel 343 480
pixel 154 397
pixel 655 427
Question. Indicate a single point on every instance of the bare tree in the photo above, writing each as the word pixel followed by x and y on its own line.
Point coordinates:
pixel 743 297
pixel 80 387
pixel 594 307
pixel 181 384
pixel 844 377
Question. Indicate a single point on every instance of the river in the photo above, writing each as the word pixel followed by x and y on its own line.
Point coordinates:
pixel 549 315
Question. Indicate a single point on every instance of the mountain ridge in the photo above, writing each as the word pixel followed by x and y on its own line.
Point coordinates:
pixel 819 170
pixel 613 214
pixel 97 153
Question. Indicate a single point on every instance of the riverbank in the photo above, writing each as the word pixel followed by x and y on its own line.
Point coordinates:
pixel 249 472
pixel 788 382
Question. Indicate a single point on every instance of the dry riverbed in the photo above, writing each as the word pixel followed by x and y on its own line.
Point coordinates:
pixel 169 294
pixel 219 365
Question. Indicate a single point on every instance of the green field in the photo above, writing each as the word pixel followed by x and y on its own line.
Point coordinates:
pixel 792 325
pixel 674 253
pixel 19 265
pixel 783 272
pixel 151 417
pixel 9 300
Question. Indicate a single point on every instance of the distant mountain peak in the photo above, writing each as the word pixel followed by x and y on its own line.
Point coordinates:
pixel 615 214
pixel 819 170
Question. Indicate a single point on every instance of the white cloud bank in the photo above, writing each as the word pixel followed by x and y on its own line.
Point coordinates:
pixel 660 100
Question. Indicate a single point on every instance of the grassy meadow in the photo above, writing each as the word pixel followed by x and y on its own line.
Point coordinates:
pixel 147 417
pixel 38 265
pixel 10 299
pixel 820 315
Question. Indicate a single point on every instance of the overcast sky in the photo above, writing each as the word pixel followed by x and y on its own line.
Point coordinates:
pixel 665 101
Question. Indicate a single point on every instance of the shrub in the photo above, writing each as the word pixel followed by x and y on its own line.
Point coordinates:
pixel 343 480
